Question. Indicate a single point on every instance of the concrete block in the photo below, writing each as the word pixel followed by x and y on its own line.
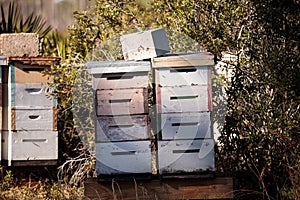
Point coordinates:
pixel 145 45
pixel 19 44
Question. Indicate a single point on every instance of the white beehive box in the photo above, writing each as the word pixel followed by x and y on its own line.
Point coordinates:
pixel 119 74
pixel 122 102
pixel 186 156
pixel 122 128
pixel 183 99
pixel 31 95
pixel 174 126
pixel 116 158
pixel 19 44
pixel 145 45
pixel 31 119
pixel 178 76
pixel 29 146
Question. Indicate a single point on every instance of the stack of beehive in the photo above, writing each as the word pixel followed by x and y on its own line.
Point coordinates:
pixel 123 143
pixel 184 104
pixel 183 99
pixel 29 128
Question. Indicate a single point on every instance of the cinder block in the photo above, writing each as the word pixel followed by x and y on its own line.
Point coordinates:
pixel 145 45
pixel 19 44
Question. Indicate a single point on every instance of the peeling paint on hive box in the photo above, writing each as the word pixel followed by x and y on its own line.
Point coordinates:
pixel 30 145
pixel 185 126
pixel 183 99
pixel 123 158
pixel 122 128
pixel 186 156
pixel 122 102
pixel 144 45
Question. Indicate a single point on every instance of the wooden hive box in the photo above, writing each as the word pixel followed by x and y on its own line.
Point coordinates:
pixel 30 115
pixel 184 99
pixel 23 147
pixel 117 159
pixel 121 102
pixel 176 126
pixel 183 76
pixel 179 157
pixel 122 128
pixel 119 74
pixel 144 45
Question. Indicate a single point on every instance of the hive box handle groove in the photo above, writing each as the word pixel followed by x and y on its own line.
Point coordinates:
pixel 123 153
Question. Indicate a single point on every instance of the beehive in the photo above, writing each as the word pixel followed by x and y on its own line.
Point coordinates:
pixel 184 105
pixel 122 123
pixel 30 113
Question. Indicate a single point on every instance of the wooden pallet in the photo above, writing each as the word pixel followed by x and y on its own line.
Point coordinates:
pixel 217 188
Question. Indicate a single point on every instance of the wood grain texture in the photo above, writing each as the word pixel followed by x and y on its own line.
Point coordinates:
pixel 122 102
pixel 183 60
pixel 120 80
pixel 122 128
pixel 218 188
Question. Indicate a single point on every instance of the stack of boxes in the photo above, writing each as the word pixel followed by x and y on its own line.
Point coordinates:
pixel 185 144
pixel 184 105
pixel 123 142
pixel 29 116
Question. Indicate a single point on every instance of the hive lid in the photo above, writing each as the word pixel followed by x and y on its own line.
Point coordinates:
pixel 183 60
pixel 117 67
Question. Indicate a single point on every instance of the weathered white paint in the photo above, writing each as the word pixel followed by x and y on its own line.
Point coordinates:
pixel 189 76
pixel 122 102
pixel 29 145
pixel 30 119
pixel 186 156
pixel 183 99
pixel 145 45
pixel 185 126
pixel 122 128
pixel 32 95
pixel 108 67
pixel 123 157
pixel 120 80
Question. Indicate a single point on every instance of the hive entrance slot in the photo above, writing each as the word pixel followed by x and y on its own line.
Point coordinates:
pixel 33 69
pixel 187 151
pixel 123 153
pixel 186 70
pixel 183 97
pixel 34 117
pixel 121 126
pixel 119 100
pixel 34 140
pixel 185 124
